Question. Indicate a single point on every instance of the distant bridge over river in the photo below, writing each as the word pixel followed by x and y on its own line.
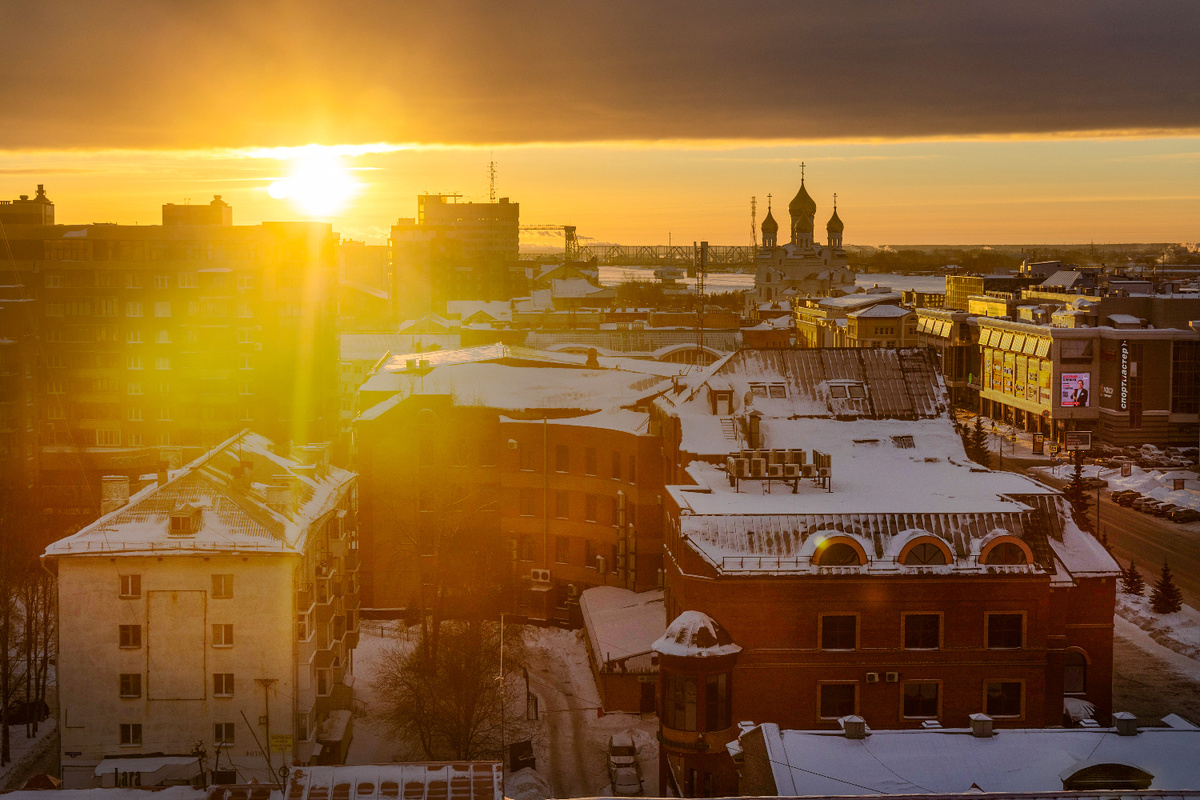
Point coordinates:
pixel 662 255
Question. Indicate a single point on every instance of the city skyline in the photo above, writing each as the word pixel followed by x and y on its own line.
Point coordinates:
pixel 934 124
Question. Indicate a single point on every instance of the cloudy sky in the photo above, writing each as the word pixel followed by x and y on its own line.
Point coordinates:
pixel 933 121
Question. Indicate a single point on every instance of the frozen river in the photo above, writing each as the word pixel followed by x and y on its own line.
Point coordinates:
pixel 734 281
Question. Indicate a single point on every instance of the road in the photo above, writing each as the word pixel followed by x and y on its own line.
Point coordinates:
pixel 1149 540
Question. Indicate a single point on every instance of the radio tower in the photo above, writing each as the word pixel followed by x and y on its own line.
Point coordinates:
pixel 754 223
pixel 701 273
pixel 491 180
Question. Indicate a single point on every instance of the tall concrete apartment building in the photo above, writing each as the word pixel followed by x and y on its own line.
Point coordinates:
pixel 159 342
pixel 455 251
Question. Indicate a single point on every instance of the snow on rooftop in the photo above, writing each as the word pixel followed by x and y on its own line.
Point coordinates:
pixel 460 780
pixel 952 761
pixel 694 634
pixel 230 501
pixel 882 310
pixel 373 346
pixel 635 422
pixel 621 623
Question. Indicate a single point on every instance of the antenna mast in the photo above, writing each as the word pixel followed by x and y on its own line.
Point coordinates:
pixel 491 180
pixel 754 223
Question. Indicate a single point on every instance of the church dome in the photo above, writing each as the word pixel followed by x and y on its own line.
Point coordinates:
pixel 802 205
pixel 769 225
pixel 835 223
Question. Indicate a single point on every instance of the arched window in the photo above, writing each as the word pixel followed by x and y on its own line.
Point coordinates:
pixel 838 554
pixel 1108 776
pixel 925 554
pixel 1075 673
pixel 1006 553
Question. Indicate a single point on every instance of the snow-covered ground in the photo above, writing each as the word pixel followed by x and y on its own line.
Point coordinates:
pixel 1179 632
pixel 25 751
pixel 570 738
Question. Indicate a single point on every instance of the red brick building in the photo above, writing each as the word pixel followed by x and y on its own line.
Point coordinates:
pixel 890 578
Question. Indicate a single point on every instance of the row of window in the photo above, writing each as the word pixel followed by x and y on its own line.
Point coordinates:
pixel 1004 631
pixel 105 279
pixel 222 586
pixel 129 637
pixel 529 502
pixel 130 733
pixel 921 554
pixel 562 462
pixel 109 307
pixel 922 699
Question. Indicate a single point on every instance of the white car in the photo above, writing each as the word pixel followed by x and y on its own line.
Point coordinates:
pixel 626 782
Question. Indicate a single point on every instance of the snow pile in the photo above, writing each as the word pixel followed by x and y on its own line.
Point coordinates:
pixel 527 784
pixel 1154 483
pixel 1179 631
pixel 25 751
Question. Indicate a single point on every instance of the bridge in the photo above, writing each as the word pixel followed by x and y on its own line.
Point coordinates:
pixel 662 255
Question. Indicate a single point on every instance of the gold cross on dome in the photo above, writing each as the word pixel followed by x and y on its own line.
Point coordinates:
pixel 802 172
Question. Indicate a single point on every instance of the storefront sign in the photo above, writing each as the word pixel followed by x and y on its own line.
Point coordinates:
pixel 1078 440
pixel 1124 367
pixel 1039 444
pixel 1126 470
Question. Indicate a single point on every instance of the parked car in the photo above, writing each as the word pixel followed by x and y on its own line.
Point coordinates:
pixel 622 752
pixel 1183 515
pixel 626 782
pixel 1094 483
pixel 1117 495
pixel 1143 503
pixel 1163 509
pixel 1128 500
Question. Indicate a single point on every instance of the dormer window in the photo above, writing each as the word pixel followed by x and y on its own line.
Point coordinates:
pixel 185 520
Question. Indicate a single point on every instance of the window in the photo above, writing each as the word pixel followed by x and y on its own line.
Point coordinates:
pixel 904 442
pixel 162 362
pixel 135 388
pixel 679 701
pixel 131 684
pixel 244 311
pixel 718 706
pixel 562 505
pixel 131 586
pixel 562 549
pixel 838 554
pixel 922 631
pixel 616 465
pixel 131 734
pixel 589 554
pixel 632 469
pixel 615 511
pixel 222 587
pixel 133 308
pixel 590 505
pixel 245 281
pixel 244 388
pixel 135 415
pixel 562 458
pixel 133 280
pixel 921 699
pixel 1003 699
pixel 223 684
pixel 222 635
pixel 525 547
pixel 1075 673
pixel 108 438
pixel 245 336
pixel 527 457
pixel 528 502
pixel 53 280
pixel 589 461
pixel 131 636
pixel 135 362
pixel 838 700
pixel 133 439
pixel 245 362
pixel 1006 553
pixel 925 554
pixel 133 337
pixel 1005 631
pixel 161 282
pixel 223 732
pixel 839 631
pixel 162 308
pixel 187 280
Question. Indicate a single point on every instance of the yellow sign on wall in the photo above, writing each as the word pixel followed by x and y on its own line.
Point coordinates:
pixel 281 742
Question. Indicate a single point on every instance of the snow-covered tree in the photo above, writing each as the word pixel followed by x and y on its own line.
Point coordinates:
pixel 1132 581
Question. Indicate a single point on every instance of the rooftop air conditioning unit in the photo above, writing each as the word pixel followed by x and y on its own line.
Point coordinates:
pixel 823 472
pixel 892 677
pixel 572 590
pixel 540 575
pixel 601 564
pixel 872 677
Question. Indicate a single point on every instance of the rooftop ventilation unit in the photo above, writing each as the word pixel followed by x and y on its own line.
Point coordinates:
pixel 981 726
pixel 539 575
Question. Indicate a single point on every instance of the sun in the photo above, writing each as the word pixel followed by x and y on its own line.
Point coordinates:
pixel 319 186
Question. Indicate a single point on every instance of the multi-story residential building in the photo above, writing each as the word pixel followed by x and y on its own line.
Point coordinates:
pixel 843 557
pixel 217 606
pixel 173 336
pixel 543 457
pixel 961 287
pixel 825 321
pixel 456 251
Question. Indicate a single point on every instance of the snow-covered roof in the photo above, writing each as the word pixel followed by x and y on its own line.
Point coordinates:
pixel 232 500
pixel 859 299
pixel 621 624
pixel 882 310
pixel 953 761
pixel 694 634
pixel 620 419
pixel 460 780
pixel 373 346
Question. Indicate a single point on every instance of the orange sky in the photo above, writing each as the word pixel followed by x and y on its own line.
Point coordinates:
pixel 935 122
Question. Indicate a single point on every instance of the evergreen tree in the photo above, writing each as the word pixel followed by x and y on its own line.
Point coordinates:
pixel 1074 492
pixel 977 447
pixel 1132 581
pixel 1166 597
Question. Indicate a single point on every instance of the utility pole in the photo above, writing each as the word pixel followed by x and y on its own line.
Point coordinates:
pixel 503 698
pixel 266 684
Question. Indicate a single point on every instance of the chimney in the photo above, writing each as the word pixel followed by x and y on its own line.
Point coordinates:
pixel 854 726
pixel 279 494
pixel 1125 723
pixel 981 726
pixel 172 455
pixel 114 493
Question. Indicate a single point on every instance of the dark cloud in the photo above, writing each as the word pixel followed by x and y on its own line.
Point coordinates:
pixel 135 73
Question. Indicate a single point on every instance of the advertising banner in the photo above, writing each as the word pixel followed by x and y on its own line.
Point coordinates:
pixel 1075 389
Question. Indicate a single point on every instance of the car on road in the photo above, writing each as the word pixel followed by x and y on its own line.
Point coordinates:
pixel 626 782
pixel 1184 515
pixel 1094 483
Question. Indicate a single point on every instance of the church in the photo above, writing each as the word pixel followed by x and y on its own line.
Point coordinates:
pixel 801 267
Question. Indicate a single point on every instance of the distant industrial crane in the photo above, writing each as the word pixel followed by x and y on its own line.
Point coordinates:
pixel 571 240
pixel 754 223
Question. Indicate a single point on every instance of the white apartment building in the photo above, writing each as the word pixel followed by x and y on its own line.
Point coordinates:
pixel 215 610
